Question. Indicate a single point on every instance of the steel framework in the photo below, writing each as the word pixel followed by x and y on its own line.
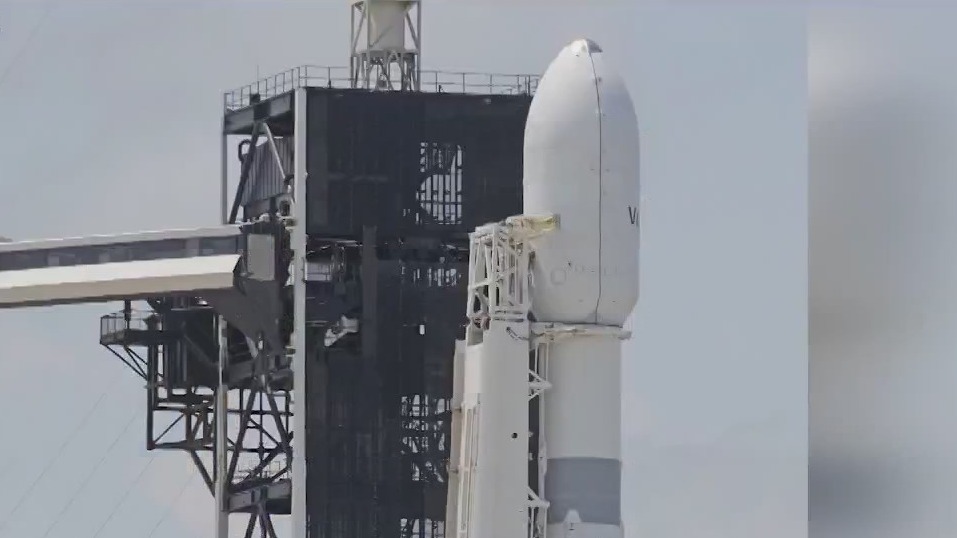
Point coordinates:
pixel 355 209
pixel 174 346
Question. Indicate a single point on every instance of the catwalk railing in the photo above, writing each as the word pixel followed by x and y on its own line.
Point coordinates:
pixel 339 77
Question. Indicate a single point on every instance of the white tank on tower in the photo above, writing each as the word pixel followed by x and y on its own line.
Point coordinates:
pixel 581 164
pixel 387 23
pixel 386 44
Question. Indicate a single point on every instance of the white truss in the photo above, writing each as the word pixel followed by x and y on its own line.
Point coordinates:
pixel 499 283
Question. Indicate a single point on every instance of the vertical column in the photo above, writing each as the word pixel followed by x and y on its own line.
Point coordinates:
pixel 224 174
pixel 298 245
pixel 370 276
pixel 220 440
pixel 417 36
pixel 220 404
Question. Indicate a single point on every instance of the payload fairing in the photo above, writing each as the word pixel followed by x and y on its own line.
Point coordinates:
pixel 581 163
pixel 536 429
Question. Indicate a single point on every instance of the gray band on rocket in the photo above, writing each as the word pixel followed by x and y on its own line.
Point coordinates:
pixel 592 486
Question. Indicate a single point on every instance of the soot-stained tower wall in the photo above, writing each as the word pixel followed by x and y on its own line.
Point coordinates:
pixel 396 180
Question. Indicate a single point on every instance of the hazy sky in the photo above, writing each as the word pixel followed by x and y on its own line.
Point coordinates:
pixel 883 290
pixel 111 112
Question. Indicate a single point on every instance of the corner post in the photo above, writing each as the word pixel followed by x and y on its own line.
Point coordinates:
pixel 221 402
pixel 298 246
pixel 221 442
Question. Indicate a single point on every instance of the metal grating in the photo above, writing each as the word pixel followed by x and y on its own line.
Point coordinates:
pixel 440 194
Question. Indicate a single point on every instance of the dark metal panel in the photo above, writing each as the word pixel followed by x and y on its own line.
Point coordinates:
pixel 188 359
pixel 280 107
pixel 423 170
pixel 317 159
pixel 413 163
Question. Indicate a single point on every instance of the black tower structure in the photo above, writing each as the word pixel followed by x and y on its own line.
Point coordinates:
pixel 320 386
pixel 301 352
pixel 394 182
pixel 322 390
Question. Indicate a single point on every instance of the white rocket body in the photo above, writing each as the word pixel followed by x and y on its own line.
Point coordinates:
pixel 581 164
pixel 581 171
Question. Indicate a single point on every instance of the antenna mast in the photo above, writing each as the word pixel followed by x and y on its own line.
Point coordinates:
pixel 380 58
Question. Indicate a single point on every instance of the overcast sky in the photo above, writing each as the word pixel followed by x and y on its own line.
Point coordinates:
pixel 111 112
pixel 883 291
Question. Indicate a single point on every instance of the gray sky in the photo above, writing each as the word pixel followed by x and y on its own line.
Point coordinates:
pixel 882 292
pixel 111 112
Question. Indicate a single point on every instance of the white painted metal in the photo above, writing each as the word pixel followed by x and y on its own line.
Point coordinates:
pixel 221 439
pixel 298 338
pixel 135 237
pixel 489 493
pixel 557 424
pixel 583 424
pixel 455 446
pixel 575 267
pixel 223 170
pixel 495 407
pixel 109 281
pixel 587 425
pixel 381 55
pixel 581 163
pixel 498 284
pixel 386 24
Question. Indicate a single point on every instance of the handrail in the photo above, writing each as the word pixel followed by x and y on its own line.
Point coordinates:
pixel 462 82
pixel 118 322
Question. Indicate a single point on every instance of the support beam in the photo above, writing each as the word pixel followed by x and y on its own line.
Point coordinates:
pixel 221 440
pixel 298 246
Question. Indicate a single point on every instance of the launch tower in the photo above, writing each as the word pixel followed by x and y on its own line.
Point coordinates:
pixel 301 352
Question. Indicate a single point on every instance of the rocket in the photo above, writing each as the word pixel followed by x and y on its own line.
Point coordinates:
pixel 553 288
pixel 581 164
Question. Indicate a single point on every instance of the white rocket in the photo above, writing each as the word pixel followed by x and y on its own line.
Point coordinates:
pixel 549 292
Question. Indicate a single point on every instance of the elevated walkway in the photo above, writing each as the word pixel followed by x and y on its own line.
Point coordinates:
pixel 238 271
pixel 115 267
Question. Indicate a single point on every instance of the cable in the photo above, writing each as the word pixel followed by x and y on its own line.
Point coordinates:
pixel 169 508
pixel 10 465
pixel 48 9
pixel 60 450
pixel 126 495
pixel 106 454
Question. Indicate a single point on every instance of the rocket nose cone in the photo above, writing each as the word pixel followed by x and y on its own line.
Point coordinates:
pixel 584 46
pixel 572 83
pixel 580 163
pixel 571 73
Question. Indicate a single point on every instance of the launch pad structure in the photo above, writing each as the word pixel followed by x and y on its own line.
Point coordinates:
pixel 301 353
